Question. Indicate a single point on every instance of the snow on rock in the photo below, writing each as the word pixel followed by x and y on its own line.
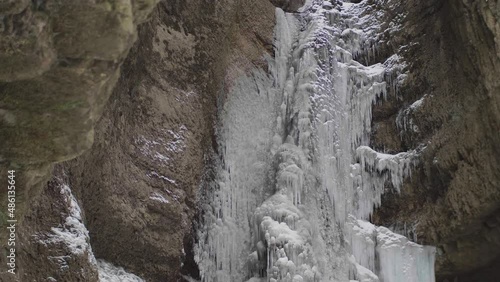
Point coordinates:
pixel 162 177
pixel 403 260
pixel 72 233
pixel 110 273
pixel 177 144
pixel 405 121
pixel 158 197
pixel 399 259
pixel 148 149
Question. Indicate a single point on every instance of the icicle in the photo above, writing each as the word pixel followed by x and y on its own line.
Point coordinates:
pixel 295 174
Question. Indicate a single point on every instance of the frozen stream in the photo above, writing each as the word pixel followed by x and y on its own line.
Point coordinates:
pixel 295 179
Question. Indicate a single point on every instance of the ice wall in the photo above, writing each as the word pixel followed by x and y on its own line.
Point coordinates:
pixel 294 176
pixel 242 171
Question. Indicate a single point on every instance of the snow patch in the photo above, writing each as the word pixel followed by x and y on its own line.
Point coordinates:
pixel 293 153
pixel 162 177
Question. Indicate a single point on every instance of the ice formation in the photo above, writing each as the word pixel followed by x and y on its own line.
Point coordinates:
pixel 295 179
pixel 74 235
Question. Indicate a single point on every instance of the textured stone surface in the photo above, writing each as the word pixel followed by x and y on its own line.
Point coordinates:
pixel 60 63
pixel 138 184
pixel 42 254
pixel 152 139
pixel 453 197
pixel 288 5
pixel 65 56
pixel 26 48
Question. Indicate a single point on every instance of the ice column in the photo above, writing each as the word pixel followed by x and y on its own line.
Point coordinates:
pixel 294 176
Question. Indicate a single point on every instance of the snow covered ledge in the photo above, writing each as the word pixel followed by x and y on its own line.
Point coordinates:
pixel 373 170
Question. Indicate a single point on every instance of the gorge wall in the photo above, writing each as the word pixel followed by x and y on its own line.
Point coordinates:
pixel 450 102
pixel 111 156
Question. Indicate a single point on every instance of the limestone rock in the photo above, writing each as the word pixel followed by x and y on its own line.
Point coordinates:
pixel 453 198
pixel 288 5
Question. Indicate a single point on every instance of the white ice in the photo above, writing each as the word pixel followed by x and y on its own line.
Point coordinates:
pixel 111 273
pixel 294 173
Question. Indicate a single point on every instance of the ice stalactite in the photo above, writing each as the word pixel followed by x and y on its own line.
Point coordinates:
pixel 294 176
pixel 374 170
pixel 243 169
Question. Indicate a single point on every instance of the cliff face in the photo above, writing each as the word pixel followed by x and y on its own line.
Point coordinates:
pixel 58 65
pixel 449 102
pixel 65 56
pixel 136 186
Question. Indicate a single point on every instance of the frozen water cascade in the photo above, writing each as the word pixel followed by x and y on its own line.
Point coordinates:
pixel 295 179
pixel 242 172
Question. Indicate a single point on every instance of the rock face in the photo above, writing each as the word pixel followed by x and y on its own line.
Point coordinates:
pixel 137 186
pixel 450 102
pixel 54 241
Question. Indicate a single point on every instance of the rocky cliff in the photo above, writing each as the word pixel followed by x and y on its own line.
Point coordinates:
pixel 108 111
pixel 449 102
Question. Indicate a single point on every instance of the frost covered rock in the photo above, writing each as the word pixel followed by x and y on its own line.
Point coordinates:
pixel 392 256
pixel 319 103
pixel 403 260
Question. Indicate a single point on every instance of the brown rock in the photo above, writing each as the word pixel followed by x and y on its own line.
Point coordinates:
pixel 139 182
pixel 288 5
pixel 454 194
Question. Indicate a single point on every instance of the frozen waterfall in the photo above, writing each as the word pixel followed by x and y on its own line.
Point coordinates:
pixel 294 178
